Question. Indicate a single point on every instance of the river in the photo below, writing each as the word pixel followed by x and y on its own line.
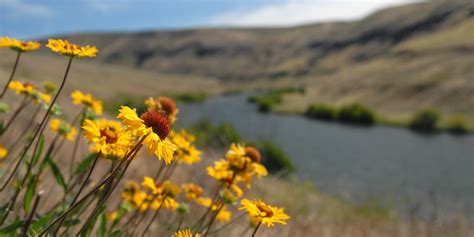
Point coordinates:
pixel 355 162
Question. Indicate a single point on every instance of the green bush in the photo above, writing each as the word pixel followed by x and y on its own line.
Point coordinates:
pixel 357 114
pixel 425 121
pixel 112 106
pixel 275 159
pixel 266 101
pixel 189 97
pixel 457 125
pixel 320 111
pixel 208 134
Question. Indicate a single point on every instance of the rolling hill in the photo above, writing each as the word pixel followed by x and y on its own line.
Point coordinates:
pixel 397 60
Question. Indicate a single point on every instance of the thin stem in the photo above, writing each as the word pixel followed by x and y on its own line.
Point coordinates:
pixel 25 130
pixel 11 74
pixel 213 219
pixel 77 141
pixel 228 223
pixel 17 165
pixel 15 114
pixel 256 228
pixel 154 217
pixel 80 190
pixel 97 187
pixel 24 231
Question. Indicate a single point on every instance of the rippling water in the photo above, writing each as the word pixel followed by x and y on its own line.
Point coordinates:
pixel 357 162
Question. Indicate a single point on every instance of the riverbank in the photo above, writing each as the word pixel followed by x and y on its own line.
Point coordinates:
pixel 424 120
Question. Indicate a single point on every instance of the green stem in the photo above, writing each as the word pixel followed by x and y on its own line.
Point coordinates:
pixel 11 74
pixel 154 217
pixel 256 228
pixel 43 121
pixel 213 219
pixel 91 169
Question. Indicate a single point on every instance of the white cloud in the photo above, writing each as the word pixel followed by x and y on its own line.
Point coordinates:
pixel 20 8
pixel 294 12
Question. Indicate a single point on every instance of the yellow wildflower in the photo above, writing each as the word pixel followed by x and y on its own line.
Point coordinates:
pixel 29 90
pixel 66 48
pixel 185 152
pixel 3 152
pixel 264 213
pixel 111 215
pixel 63 128
pixel 185 233
pixel 108 137
pixel 162 193
pixel 192 191
pixel 131 189
pixel 17 45
pixel 87 100
pixel 155 126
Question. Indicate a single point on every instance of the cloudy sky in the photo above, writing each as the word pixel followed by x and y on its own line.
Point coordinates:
pixel 36 18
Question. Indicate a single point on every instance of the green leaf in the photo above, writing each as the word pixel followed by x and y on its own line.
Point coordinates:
pixel 57 173
pixel 41 222
pixel 103 226
pixel 46 157
pixel 115 233
pixel 38 153
pixel 71 222
pixel 89 226
pixel 30 192
pixel 83 166
pixel 10 229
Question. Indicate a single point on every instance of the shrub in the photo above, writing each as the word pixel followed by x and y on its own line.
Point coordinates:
pixel 320 111
pixel 189 97
pixel 425 121
pixel 274 158
pixel 357 114
pixel 266 102
pixel 208 134
pixel 133 101
pixel 457 125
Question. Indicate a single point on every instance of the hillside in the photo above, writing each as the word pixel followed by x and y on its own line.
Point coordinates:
pixel 396 61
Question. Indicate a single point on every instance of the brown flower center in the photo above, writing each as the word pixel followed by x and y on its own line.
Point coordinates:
pixel 253 154
pixel 268 212
pixel 109 134
pixel 167 104
pixel 158 122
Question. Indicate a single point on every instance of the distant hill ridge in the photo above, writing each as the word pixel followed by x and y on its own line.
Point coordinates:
pixel 277 52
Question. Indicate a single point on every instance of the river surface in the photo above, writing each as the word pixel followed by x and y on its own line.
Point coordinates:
pixel 354 162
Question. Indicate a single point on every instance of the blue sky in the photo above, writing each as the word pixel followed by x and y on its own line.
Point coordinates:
pixel 36 18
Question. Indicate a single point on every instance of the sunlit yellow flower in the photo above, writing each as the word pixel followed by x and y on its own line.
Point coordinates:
pixel 63 128
pixel 87 100
pixel 29 90
pixel 185 152
pixel 221 170
pixel 192 191
pixel 66 48
pixel 185 233
pixel 163 104
pixel 21 88
pixel 131 189
pixel 224 215
pixel 111 215
pixel 245 161
pixel 17 45
pixel 162 193
pixel 155 126
pixel 3 152
pixel 108 137
pixel 264 213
